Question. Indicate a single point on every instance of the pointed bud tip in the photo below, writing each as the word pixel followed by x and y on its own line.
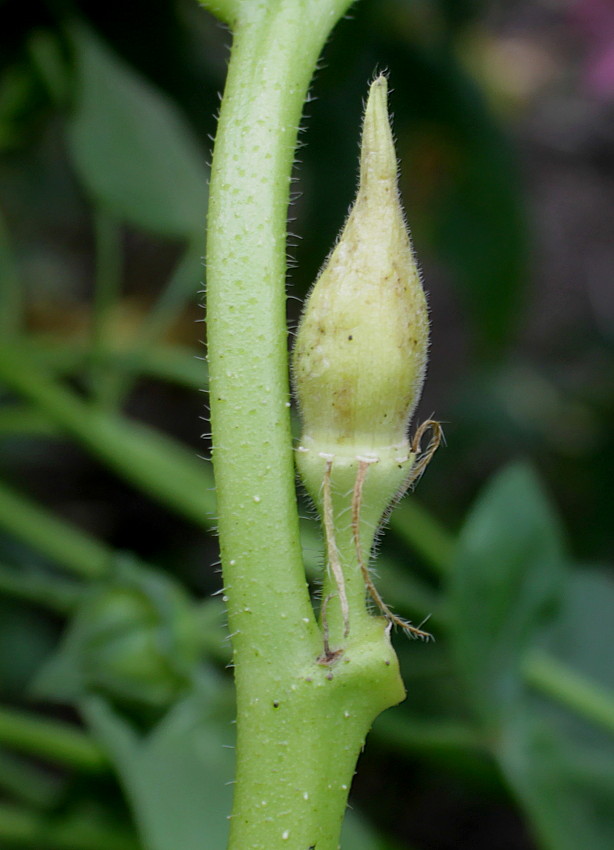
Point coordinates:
pixel 361 346
pixel 377 155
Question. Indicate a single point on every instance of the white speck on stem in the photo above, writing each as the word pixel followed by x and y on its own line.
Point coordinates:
pixel 285 835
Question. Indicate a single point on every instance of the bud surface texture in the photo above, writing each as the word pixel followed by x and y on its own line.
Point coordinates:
pixel 360 353
pixel 358 368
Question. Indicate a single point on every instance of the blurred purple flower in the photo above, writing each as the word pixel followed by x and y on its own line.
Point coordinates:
pixel 595 19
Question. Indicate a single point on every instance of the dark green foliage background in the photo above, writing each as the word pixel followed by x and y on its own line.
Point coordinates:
pixel 116 706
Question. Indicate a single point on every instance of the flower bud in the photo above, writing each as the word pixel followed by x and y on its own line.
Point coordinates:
pixel 358 367
pixel 361 347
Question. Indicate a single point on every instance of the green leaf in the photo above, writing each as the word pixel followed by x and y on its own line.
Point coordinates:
pixel 583 634
pixel 507 572
pixel 566 809
pixel 559 763
pixel 132 150
pixel 177 776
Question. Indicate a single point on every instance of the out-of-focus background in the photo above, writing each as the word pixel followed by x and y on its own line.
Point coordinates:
pixel 115 700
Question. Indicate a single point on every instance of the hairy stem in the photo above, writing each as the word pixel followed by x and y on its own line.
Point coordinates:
pixel 301 724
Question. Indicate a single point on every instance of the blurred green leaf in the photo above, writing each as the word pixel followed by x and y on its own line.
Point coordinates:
pixel 565 783
pixel 583 634
pixel 507 572
pixel 560 764
pixel 508 575
pixel 132 149
pixel 177 775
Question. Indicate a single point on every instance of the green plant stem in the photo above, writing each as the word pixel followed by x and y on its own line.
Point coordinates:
pixel 40 588
pixel 156 464
pixel 60 541
pixel 27 782
pixel 300 724
pixel 559 682
pixel 163 362
pixel 18 420
pixel 20 827
pixel 261 109
pixel 225 10
pixel 50 739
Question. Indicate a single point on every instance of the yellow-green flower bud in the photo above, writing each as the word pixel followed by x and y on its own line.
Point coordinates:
pixel 360 352
pixel 358 366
